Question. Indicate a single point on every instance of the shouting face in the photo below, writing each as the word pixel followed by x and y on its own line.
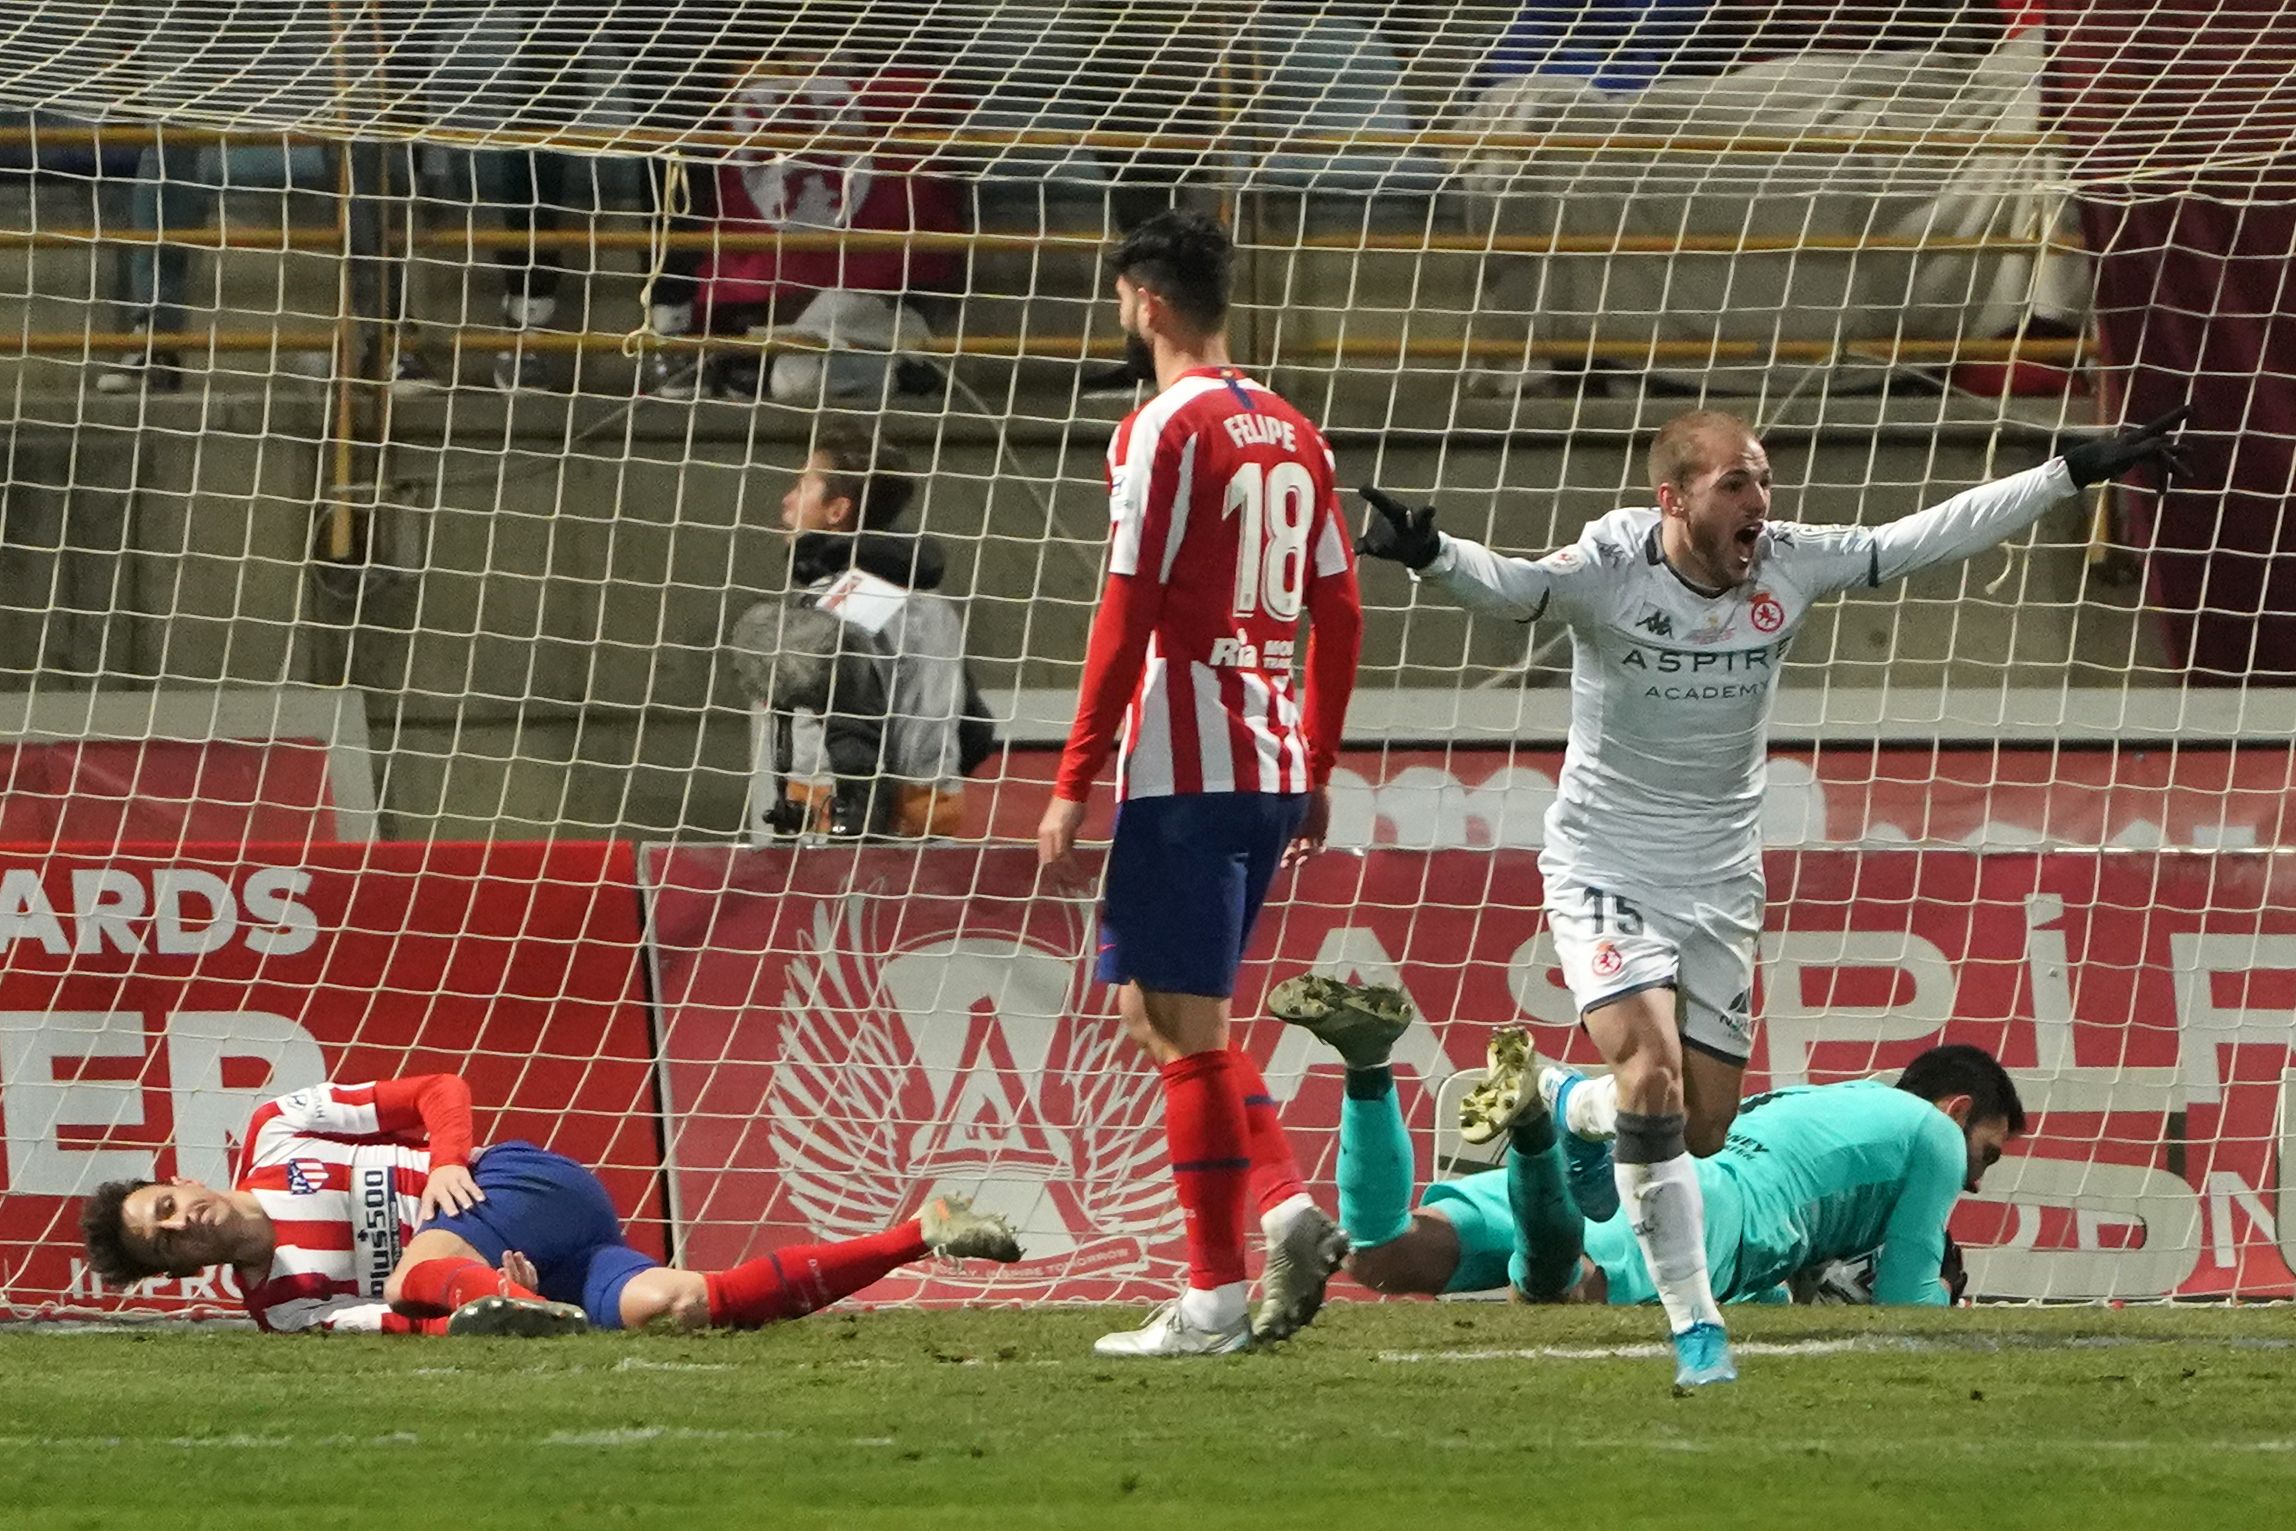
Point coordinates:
pixel 1715 516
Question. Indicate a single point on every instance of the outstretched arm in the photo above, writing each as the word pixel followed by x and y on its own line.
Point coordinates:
pixel 1471 574
pixel 1979 518
pixel 1965 525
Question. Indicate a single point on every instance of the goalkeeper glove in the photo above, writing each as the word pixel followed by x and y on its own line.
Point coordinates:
pixel 1395 532
pixel 2093 462
pixel 1953 1272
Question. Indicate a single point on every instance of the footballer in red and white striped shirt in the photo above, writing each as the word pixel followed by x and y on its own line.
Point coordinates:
pixel 364 1207
pixel 1225 530
pixel 1226 533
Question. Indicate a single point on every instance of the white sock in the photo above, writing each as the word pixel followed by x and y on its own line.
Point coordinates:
pixel 1592 1110
pixel 1668 1215
pixel 1278 1218
pixel 528 313
pixel 1216 1308
pixel 671 318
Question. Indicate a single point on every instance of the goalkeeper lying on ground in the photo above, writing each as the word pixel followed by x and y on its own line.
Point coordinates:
pixel 1809 1176
pixel 365 1208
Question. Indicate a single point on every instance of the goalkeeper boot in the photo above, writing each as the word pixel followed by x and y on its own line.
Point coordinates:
pixel 1702 1357
pixel 1358 1021
pixel 1168 1332
pixel 954 1231
pixel 1593 1181
pixel 1508 1092
pixel 1301 1262
pixel 516 1318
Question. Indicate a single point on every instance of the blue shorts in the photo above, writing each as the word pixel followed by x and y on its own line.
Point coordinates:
pixel 1186 877
pixel 554 1212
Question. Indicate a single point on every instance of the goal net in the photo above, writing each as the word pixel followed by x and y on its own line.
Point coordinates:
pixel 406 405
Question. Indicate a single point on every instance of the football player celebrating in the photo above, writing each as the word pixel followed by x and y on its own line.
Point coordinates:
pixel 365 1208
pixel 1809 1176
pixel 1226 530
pixel 1680 617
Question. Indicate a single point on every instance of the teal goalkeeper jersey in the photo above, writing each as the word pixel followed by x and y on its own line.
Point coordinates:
pixel 1828 1172
pixel 1817 1173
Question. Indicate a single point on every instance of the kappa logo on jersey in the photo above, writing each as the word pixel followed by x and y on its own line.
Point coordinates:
pixel 962 1066
pixel 1766 614
pixel 306 1177
pixel 1657 623
pixel 1565 558
pixel 1607 962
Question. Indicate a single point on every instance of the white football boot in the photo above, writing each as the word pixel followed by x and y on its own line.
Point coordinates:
pixel 1168 1333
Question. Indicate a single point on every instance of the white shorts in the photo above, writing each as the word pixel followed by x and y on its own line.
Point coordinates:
pixel 1616 941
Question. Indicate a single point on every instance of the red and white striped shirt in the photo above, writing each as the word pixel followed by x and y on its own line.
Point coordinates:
pixel 1226 531
pixel 339 1169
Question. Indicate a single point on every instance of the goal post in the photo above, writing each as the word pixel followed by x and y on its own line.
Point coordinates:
pixel 401 403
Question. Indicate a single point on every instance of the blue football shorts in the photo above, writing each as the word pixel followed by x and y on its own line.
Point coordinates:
pixel 557 1214
pixel 1186 877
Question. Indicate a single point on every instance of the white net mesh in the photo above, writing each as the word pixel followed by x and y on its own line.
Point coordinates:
pixel 402 400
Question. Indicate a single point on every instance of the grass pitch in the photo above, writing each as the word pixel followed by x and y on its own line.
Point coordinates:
pixel 1423 1416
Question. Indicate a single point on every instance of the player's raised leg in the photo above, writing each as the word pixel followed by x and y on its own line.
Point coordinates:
pixel 1657 1182
pixel 1361 1024
pixel 1550 1233
pixel 1586 1115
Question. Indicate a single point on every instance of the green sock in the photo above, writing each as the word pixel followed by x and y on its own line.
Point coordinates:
pixel 1375 1168
pixel 1550 1234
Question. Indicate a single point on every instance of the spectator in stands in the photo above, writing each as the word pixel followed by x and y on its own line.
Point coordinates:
pixel 861 669
pixel 1929 67
pixel 175 191
pixel 1326 75
pixel 526 70
pixel 851 309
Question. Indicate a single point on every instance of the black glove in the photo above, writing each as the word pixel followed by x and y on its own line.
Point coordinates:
pixel 2093 462
pixel 1953 1273
pixel 1396 532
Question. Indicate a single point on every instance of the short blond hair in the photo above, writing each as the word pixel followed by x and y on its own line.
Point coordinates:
pixel 1676 452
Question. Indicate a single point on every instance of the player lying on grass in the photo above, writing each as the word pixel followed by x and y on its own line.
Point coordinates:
pixel 1681 615
pixel 365 1208
pixel 1809 1175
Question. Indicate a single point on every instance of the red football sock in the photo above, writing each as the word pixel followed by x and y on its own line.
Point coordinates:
pixel 1275 1173
pixel 431 1287
pixel 792 1282
pixel 1211 1162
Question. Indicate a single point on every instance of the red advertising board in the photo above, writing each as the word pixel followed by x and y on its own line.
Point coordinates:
pixel 1984 797
pixel 846 1032
pixel 150 999
pixel 117 791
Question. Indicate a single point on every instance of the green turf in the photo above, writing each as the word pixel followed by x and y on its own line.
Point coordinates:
pixel 1977 1421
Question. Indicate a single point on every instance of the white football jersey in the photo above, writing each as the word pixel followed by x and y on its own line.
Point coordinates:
pixel 1670 686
